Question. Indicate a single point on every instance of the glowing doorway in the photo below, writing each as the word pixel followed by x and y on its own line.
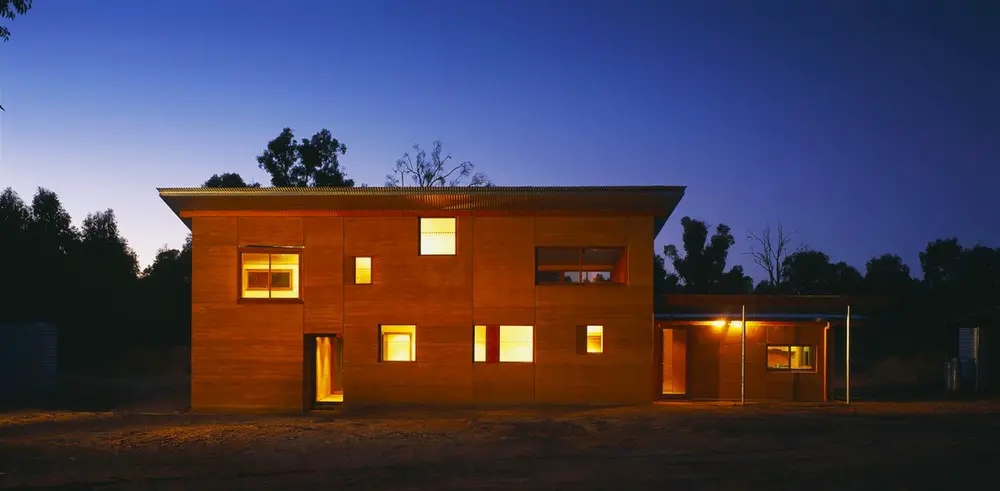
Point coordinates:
pixel 328 386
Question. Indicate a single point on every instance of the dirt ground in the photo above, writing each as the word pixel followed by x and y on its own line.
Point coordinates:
pixel 689 446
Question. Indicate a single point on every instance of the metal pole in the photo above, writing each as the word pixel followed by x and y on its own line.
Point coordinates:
pixel 848 371
pixel 743 357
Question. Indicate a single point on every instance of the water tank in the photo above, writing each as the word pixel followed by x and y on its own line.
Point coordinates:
pixel 28 359
pixel 968 357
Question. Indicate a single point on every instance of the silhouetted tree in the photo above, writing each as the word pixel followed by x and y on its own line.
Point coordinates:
pixel 53 239
pixel 16 247
pixel 420 172
pixel 165 286
pixel 810 272
pixel 769 254
pixel 228 180
pixel 313 162
pixel 663 282
pixel 10 9
pixel 888 275
pixel 702 269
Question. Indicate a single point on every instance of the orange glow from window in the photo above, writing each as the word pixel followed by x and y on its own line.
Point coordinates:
pixel 399 343
pixel 363 270
pixel 595 339
pixel 516 343
pixel 270 275
pixel 437 236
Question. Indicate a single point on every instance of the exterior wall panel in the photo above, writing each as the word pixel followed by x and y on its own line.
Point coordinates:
pixel 244 357
pixel 324 275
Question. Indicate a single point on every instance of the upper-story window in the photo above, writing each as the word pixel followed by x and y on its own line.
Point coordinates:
pixel 269 274
pixel 437 236
pixel 579 265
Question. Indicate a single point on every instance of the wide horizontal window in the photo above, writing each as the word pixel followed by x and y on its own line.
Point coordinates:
pixel 492 344
pixel 399 343
pixel 790 357
pixel 437 236
pixel 269 275
pixel 579 265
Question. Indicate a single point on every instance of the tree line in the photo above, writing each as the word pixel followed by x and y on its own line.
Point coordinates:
pixel 917 313
pixel 87 280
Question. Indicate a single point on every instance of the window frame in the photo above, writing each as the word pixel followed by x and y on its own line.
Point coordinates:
pixel 488 334
pixel 420 235
pixel 381 342
pixel 812 354
pixel 580 267
pixel 240 251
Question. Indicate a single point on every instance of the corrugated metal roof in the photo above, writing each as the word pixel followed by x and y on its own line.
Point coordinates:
pixel 412 191
pixel 656 201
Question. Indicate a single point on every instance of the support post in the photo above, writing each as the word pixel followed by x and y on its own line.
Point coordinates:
pixel 847 373
pixel 743 357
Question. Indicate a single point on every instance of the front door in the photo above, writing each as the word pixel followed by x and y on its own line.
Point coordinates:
pixel 673 380
pixel 325 368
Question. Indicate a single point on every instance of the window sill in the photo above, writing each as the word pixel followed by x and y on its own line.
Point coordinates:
pixel 792 370
pixel 269 300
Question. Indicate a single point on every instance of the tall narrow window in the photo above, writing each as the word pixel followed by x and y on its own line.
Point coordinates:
pixel 479 344
pixel 492 344
pixel 398 343
pixel 362 270
pixel 437 236
pixel 579 265
pixel 595 339
pixel 269 275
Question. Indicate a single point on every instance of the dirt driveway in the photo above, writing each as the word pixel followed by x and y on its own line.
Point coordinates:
pixel 686 446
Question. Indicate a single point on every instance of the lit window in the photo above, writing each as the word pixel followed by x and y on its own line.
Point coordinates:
pixel 494 344
pixel 579 265
pixel 516 343
pixel 479 344
pixel 437 236
pixel 399 343
pixel 269 275
pixel 789 357
pixel 362 270
pixel 595 339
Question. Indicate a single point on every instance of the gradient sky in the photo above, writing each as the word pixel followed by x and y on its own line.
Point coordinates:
pixel 863 128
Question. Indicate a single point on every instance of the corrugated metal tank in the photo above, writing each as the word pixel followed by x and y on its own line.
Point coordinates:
pixel 28 358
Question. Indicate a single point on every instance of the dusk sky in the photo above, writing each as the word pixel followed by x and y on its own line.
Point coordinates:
pixel 864 129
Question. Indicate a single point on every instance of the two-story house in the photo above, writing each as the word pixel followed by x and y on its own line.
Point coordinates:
pixel 308 296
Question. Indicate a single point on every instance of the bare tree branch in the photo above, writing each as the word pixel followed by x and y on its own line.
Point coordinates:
pixel 435 171
pixel 770 252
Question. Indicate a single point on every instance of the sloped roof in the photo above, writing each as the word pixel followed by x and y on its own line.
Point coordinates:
pixel 656 201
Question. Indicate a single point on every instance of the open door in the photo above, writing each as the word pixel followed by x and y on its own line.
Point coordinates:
pixel 325 366
pixel 673 379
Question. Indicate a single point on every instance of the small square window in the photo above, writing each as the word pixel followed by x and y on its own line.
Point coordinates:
pixel 362 270
pixel 399 343
pixel 595 339
pixel 437 236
